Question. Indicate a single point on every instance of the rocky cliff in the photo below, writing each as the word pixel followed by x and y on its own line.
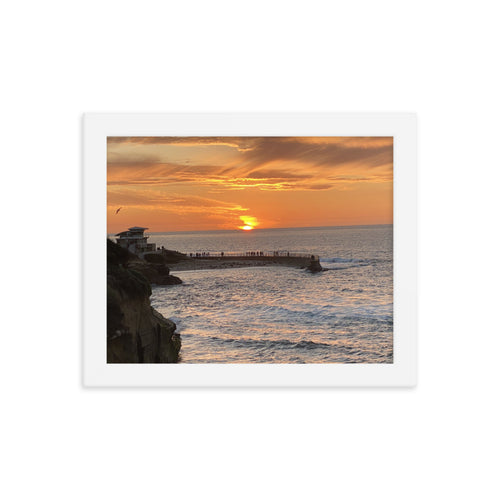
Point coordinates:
pixel 157 273
pixel 136 333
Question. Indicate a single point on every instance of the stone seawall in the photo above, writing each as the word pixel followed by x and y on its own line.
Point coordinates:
pixel 230 261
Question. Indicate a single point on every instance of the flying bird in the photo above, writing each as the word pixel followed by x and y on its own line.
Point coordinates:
pixel 118 210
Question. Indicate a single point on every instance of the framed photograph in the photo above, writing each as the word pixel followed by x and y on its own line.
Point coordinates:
pixel 249 250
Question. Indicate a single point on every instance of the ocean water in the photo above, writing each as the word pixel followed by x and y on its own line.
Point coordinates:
pixel 279 314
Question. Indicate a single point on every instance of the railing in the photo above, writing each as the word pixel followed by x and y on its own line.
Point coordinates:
pixel 252 255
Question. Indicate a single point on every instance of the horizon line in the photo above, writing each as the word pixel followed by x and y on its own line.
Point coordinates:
pixel 267 228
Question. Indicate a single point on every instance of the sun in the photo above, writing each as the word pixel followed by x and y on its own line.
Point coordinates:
pixel 249 222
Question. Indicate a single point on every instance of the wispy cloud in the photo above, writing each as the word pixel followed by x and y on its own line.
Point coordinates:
pixel 239 143
pixel 266 163
pixel 187 205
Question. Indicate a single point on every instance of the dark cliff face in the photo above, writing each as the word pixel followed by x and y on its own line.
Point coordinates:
pixel 136 333
pixel 156 273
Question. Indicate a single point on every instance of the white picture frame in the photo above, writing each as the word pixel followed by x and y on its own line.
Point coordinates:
pixel 401 373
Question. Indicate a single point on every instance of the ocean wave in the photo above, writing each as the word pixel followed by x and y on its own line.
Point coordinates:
pixel 339 260
pixel 269 344
pixel 343 267
pixel 337 263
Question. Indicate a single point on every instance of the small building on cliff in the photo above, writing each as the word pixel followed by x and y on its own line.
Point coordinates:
pixel 134 240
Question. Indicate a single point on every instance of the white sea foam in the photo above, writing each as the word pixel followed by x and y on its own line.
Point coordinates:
pixel 339 260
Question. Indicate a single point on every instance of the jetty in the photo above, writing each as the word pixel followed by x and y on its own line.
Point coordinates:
pixel 212 260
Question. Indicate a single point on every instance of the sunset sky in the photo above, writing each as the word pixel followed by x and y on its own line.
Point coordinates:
pixel 204 183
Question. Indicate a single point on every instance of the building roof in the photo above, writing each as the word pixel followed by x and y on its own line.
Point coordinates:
pixel 134 229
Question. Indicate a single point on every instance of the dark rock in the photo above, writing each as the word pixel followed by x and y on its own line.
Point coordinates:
pixel 136 333
pixel 116 255
pixel 171 280
pixel 314 266
pixel 165 256
pixel 154 258
pixel 163 270
pixel 172 257
pixel 157 274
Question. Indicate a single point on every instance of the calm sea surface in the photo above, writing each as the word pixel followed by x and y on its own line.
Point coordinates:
pixel 284 315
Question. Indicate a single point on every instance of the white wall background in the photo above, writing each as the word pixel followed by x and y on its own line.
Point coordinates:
pixel 436 58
